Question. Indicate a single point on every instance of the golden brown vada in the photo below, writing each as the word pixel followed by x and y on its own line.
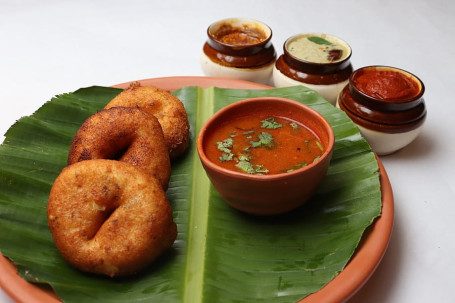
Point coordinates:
pixel 126 134
pixel 169 110
pixel 109 217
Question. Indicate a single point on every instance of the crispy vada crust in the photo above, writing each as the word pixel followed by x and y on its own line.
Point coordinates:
pixel 109 217
pixel 126 134
pixel 169 110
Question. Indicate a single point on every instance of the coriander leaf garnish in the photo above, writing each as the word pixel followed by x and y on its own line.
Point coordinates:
pixel 270 123
pixel 251 169
pixel 225 145
pixel 249 132
pixel 299 165
pixel 243 157
pixel 226 157
pixel 265 139
pixel 245 166
pixel 319 40
pixel 259 169
pixel 255 144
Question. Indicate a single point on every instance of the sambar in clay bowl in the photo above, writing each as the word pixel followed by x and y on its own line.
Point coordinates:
pixel 267 155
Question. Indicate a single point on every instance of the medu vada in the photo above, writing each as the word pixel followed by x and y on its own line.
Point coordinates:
pixel 125 134
pixel 169 110
pixel 109 217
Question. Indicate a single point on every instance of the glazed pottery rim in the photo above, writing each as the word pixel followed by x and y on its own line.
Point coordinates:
pixel 373 100
pixel 251 69
pixel 328 149
pixel 267 30
pixel 302 61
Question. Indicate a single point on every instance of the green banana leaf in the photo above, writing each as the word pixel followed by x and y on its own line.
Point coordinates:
pixel 220 255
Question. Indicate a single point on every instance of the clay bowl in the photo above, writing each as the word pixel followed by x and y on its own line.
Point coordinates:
pixel 268 194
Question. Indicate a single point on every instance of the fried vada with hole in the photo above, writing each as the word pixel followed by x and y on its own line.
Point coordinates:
pixel 125 134
pixel 169 110
pixel 109 217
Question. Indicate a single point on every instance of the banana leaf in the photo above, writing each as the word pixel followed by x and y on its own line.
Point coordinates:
pixel 220 255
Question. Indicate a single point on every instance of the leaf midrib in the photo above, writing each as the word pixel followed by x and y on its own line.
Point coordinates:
pixel 198 216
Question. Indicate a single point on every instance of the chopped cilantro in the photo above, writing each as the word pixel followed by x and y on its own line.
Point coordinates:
pixel 249 132
pixel 316 159
pixel 245 166
pixel 270 123
pixel 243 157
pixel 226 157
pixel 265 139
pixel 255 143
pixel 251 169
pixel 225 145
pixel 259 169
pixel 299 165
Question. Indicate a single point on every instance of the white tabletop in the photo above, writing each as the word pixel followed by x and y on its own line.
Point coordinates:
pixel 50 47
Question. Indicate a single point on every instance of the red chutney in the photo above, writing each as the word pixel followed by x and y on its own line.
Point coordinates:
pixel 387 85
pixel 239 35
pixel 261 143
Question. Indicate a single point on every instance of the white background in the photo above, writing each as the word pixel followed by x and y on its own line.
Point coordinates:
pixel 49 47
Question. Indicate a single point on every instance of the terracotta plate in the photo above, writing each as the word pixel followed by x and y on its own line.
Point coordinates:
pixel 341 288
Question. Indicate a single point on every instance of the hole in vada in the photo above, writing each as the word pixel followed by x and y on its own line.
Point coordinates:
pixel 104 214
pixel 120 147
pixel 118 155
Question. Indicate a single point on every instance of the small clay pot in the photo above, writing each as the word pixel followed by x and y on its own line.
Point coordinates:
pixel 388 122
pixel 327 78
pixel 276 193
pixel 239 48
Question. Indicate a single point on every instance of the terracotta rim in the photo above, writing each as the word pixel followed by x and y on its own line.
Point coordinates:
pixel 359 269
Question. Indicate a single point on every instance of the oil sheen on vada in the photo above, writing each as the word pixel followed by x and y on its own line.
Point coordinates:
pixel 109 217
pixel 169 110
pixel 125 134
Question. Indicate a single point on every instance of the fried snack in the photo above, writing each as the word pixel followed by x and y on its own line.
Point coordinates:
pixel 109 217
pixel 126 134
pixel 169 110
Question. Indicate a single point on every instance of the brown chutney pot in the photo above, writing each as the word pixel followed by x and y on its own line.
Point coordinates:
pixel 239 48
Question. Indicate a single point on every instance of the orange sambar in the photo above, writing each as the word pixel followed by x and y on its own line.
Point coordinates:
pixel 261 143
